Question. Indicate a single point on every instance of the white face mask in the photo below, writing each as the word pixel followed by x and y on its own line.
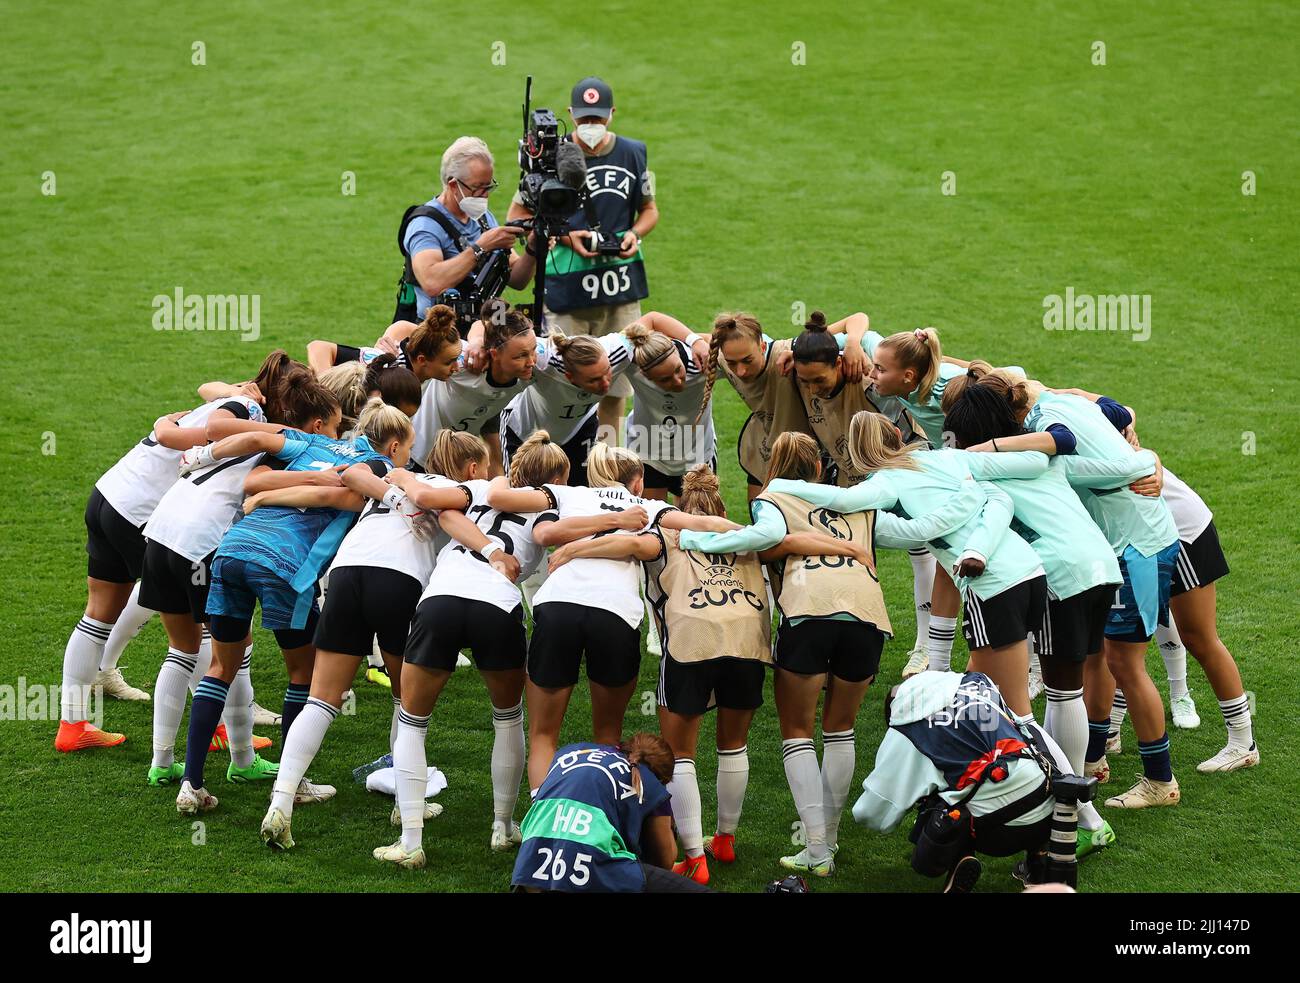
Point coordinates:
pixel 592 134
pixel 475 208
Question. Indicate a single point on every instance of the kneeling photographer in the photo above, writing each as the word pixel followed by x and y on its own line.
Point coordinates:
pixel 454 250
pixel 981 783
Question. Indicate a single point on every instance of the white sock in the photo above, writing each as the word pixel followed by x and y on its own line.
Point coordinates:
pixel 238 714
pixel 805 779
pixel 374 660
pixel 169 704
pixel 1175 656
pixel 1066 720
pixel 80 664
pixel 412 770
pixel 127 626
pixel 1035 666
pixel 687 811
pixel 392 726
pixel 938 644
pixel 1089 817
pixel 733 778
pixel 300 748
pixel 1118 708
pixel 923 568
pixel 838 760
pixel 507 761
pixel 651 629
pixel 1236 715
pixel 202 662
pixel 530 586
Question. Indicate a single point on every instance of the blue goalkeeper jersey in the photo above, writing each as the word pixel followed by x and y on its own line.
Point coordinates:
pixel 297 544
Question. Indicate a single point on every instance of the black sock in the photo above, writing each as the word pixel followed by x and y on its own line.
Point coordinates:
pixel 205 713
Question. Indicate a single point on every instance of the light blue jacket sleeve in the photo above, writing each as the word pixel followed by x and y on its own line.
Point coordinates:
pixel 1009 464
pixel 1092 472
pixel 953 514
pixel 902 777
pixel 998 512
pixel 875 493
pixel 767 531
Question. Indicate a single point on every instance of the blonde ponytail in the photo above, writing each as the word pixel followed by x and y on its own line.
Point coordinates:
pixel 538 461
pixel 609 466
pixel 874 444
pixel 454 451
pixel 919 351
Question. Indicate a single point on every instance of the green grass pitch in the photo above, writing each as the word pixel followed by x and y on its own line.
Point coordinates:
pixel 800 156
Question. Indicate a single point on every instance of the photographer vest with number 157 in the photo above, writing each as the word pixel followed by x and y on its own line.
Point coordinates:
pixel 614 197
pixel 824 586
pixel 711 605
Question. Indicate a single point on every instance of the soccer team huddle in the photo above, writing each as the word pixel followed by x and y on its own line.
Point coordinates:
pixel 435 499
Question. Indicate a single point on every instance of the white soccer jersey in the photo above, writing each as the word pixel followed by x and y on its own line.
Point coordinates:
pixel 553 403
pixel 136 483
pixel 466 401
pixel 200 508
pixel 462 573
pixel 382 538
pixel 612 585
pixel 1191 514
pixel 661 427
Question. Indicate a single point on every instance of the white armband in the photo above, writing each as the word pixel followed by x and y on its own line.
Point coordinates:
pixel 394 497
pixel 492 547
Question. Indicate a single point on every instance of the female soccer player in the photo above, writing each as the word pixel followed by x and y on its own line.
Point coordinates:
pixel 275 556
pixel 833 627
pixel 122 502
pixel 568 385
pixel 374 585
pixel 471 602
pixel 182 535
pixel 473 401
pixel 592 605
pixel 1144 537
pixel 746 354
pixel 999 575
pixel 716 629
pixel 1082 573
pixel 1192 604
pixel 430 349
pixel 355 383
pixel 670 428
pixel 832 397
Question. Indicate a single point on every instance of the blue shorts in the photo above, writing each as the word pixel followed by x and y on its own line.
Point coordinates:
pixel 1142 600
pixel 237 585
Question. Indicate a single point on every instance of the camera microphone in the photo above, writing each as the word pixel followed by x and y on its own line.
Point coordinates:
pixel 571 165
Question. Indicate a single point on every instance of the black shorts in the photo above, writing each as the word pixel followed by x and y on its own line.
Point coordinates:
pixel 563 633
pixel 692 688
pixel 1005 618
pixel 1073 628
pixel 849 650
pixel 172 584
pixel 1199 563
pixel 445 624
pixel 655 478
pixel 114 546
pixel 575 448
pixel 362 602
